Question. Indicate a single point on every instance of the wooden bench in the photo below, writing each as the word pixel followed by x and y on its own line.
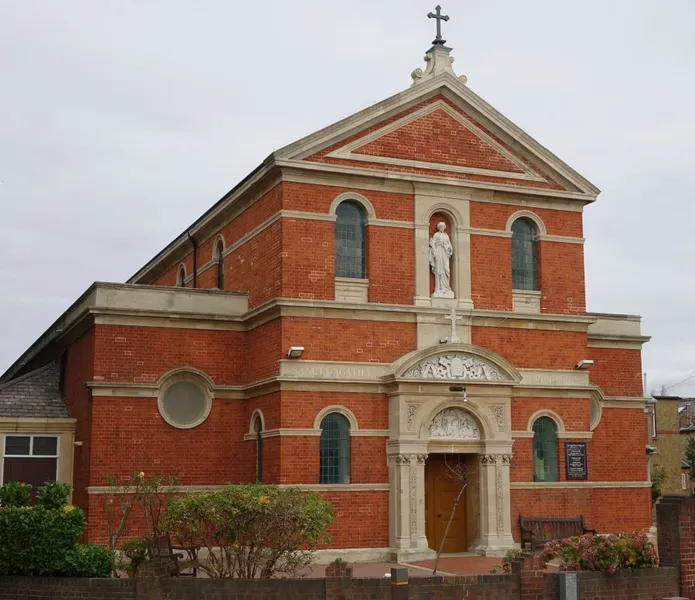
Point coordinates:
pixel 536 531
pixel 178 566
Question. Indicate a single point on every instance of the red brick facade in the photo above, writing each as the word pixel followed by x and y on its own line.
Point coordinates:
pixel 279 238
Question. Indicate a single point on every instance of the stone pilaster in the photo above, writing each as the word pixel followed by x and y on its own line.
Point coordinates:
pixel 495 505
pixel 407 537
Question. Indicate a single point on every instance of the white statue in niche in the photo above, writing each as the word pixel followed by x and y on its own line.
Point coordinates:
pixel 454 424
pixel 441 252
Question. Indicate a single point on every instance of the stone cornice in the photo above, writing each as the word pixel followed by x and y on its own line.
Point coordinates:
pixel 560 485
pixel 377 378
pixel 314 487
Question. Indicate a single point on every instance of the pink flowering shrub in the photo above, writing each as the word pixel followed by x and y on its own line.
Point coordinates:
pixel 597 553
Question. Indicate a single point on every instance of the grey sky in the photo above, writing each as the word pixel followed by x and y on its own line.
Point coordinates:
pixel 121 121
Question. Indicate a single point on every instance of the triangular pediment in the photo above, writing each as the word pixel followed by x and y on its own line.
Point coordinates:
pixel 437 130
pixel 440 138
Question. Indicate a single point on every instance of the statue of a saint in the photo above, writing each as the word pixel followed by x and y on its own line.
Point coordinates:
pixel 441 251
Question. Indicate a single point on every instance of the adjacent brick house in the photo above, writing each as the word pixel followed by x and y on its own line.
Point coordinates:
pixel 296 334
pixel 669 437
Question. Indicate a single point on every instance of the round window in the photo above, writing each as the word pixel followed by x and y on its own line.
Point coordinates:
pixel 184 404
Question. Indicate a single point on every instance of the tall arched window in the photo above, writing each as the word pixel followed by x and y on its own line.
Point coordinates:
pixel 258 430
pixel 350 241
pixel 545 466
pixel 181 277
pixel 219 253
pixel 334 459
pixel 524 255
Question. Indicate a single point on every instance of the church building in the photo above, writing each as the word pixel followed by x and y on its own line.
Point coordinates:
pixel 393 295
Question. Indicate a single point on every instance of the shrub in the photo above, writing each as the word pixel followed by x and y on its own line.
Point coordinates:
pixel 509 557
pixel 251 531
pixel 149 495
pixel 135 550
pixel 598 553
pixel 658 479
pixel 88 560
pixel 36 540
pixel 15 495
pixel 53 495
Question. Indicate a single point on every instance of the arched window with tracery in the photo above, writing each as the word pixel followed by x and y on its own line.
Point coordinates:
pixel 350 241
pixel 524 255
pixel 545 462
pixel 334 459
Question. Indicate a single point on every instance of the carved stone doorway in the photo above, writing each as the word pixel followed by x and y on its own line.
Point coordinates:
pixel 441 489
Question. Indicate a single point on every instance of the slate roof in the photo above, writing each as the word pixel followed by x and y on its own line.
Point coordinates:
pixel 36 394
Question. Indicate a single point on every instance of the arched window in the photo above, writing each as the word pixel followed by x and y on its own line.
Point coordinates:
pixel 524 255
pixel 350 241
pixel 258 429
pixel 334 457
pixel 181 277
pixel 219 253
pixel 545 450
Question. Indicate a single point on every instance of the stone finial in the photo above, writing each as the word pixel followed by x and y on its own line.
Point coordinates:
pixel 438 61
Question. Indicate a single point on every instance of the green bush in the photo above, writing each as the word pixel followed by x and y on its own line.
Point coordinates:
pixel 88 560
pixel 53 495
pixel 658 479
pixel 35 540
pixel 15 495
pixel 598 553
pixel 251 531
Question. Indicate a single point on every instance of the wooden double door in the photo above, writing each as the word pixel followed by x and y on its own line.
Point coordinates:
pixel 440 494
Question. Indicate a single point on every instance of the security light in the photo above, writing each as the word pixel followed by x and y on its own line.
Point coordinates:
pixel 584 364
pixel 295 351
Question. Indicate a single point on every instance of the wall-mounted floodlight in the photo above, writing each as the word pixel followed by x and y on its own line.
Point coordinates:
pixel 584 364
pixel 295 351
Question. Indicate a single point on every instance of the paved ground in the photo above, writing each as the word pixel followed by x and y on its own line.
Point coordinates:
pixel 450 565
pixel 462 565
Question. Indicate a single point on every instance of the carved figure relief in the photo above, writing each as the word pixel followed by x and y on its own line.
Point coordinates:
pixel 454 366
pixel 454 424
pixel 499 501
pixel 498 411
pixel 413 502
pixel 412 409
pixel 441 252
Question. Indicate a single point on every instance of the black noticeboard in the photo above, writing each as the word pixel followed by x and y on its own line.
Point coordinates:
pixel 575 460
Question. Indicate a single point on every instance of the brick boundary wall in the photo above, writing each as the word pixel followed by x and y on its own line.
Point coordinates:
pixel 675 522
pixel 527 582
pixel 628 584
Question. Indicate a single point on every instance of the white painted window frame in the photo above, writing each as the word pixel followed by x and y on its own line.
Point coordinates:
pixel 31 437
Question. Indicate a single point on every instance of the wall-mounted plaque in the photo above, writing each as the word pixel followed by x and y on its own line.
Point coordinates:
pixel 575 461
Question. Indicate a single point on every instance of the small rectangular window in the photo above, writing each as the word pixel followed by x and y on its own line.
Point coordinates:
pixel 45 446
pixel 684 481
pixel 653 415
pixel 16 445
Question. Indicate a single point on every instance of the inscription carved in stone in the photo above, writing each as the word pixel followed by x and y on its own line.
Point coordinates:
pixel 454 424
pixel 454 366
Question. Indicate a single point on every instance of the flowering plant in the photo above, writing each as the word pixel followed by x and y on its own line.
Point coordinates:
pixel 598 553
